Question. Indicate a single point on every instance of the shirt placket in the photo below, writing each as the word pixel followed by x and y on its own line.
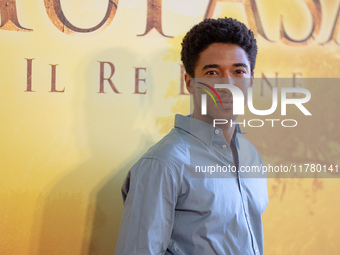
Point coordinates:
pixel 241 185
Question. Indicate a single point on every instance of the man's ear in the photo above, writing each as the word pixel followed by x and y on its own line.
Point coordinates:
pixel 187 79
pixel 251 80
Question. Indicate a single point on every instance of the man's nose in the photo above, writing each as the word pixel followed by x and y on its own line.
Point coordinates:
pixel 225 79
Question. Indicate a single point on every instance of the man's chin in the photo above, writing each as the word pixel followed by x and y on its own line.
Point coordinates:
pixel 228 117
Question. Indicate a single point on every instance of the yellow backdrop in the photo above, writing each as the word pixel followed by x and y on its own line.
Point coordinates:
pixel 87 86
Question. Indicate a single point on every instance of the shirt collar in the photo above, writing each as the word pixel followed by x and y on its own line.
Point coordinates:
pixel 200 129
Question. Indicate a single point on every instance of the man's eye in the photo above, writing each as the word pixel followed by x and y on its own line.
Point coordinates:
pixel 240 72
pixel 211 72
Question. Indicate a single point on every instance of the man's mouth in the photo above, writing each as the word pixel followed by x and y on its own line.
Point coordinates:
pixel 227 100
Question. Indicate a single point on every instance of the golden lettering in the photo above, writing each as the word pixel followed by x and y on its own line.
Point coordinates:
pixel 56 15
pixel 9 17
pixel 265 79
pixel 294 81
pixel 102 79
pixel 315 9
pixel 154 17
pixel 335 30
pixel 29 75
pixel 138 79
pixel 53 80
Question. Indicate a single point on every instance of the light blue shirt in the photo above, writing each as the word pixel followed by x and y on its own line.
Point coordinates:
pixel 174 205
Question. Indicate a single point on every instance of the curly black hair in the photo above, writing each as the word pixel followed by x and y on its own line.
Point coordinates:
pixel 222 30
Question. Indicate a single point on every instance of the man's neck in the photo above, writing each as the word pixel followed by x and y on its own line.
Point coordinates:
pixel 228 131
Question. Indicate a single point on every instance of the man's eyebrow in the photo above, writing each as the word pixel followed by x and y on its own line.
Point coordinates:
pixel 210 66
pixel 240 64
pixel 216 65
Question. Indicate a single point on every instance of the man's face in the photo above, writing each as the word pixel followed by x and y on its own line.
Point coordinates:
pixel 220 60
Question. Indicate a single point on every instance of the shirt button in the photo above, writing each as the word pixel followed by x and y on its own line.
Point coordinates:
pixel 217 131
pixel 224 146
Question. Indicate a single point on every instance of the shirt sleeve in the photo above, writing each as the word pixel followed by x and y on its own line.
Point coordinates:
pixel 150 195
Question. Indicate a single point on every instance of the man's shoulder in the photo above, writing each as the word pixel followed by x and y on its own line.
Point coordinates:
pixel 166 158
pixel 172 147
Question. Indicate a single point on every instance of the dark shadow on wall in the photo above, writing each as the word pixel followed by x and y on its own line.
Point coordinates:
pixel 90 192
pixel 100 241
pixel 104 231
pixel 61 218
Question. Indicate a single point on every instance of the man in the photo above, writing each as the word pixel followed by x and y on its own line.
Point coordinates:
pixel 172 205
